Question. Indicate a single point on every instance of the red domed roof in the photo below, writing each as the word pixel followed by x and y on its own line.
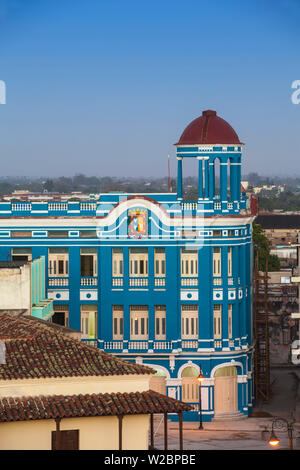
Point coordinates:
pixel 209 129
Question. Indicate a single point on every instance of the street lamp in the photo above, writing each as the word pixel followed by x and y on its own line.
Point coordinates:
pixel 281 423
pixel 200 379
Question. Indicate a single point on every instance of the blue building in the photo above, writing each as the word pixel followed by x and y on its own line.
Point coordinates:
pixel 155 279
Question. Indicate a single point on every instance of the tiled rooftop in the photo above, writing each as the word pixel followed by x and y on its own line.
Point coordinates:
pixel 33 350
pixel 71 406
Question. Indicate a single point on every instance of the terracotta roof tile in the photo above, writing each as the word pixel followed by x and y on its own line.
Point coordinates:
pixel 103 404
pixel 34 350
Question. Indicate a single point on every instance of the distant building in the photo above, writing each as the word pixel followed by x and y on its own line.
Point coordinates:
pixel 281 229
pixel 268 188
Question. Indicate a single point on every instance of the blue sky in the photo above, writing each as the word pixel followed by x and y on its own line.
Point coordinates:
pixel 105 87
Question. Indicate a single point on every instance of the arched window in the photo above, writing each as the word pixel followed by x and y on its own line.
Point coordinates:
pixel 228 371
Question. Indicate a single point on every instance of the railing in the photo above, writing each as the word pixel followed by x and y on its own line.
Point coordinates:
pixel 138 345
pixel 88 281
pixel 58 281
pixel 57 206
pixel 20 206
pixel 217 344
pixel 117 281
pixel 138 281
pixel 159 281
pixel 189 344
pixel 113 345
pixel 162 345
pixel 91 342
pixel 189 206
pixel 88 206
pixel 189 281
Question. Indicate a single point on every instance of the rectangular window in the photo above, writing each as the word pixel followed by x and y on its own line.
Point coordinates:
pixel 138 262
pixel 21 234
pixel 88 233
pixel 61 315
pixel 21 254
pixel 118 319
pixel 88 262
pixel 229 321
pixel 217 321
pixel 89 321
pixel 160 322
pixel 58 262
pixel 160 262
pixel 58 233
pixel 189 322
pixel 117 262
pixel 189 262
pixel 139 322
pixel 217 262
pixel 230 261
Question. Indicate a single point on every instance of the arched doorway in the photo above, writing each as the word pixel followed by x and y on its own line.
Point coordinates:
pixel 189 385
pixel 158 382
pixel 226 396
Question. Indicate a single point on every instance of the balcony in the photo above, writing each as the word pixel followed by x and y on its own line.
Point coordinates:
pixel 187 282
pixel 159 282
pixel 88 281
pixel 117 282
pixel 58 281
pixel 138 282
pixel 118 346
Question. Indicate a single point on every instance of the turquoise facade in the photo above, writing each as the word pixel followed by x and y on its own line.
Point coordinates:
pixel 219 219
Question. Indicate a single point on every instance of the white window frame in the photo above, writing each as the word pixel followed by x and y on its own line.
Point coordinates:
pixel 117 263
pixel 189 322
pixel 217 261
pixel 159 263
pixel 139 322
pixel 138 263
pixel 85 321
pixel 118 322
pixel 229 321
pixel 54 260
pixel 189 263
pixel 160 322
pixel 217 324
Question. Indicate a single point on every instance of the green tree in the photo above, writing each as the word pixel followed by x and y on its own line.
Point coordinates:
pixel 262 247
